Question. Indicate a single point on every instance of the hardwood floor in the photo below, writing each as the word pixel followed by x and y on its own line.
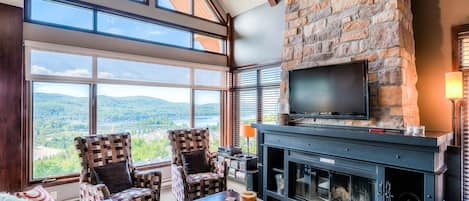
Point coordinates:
pixel 166 194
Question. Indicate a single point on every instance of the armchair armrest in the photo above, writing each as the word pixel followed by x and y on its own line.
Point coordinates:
pixel 148 179
pixel 179 185
pixel 98 192
pixel 219 167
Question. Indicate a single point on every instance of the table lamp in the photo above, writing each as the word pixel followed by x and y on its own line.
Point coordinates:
pixel 248 132
pixel 454 92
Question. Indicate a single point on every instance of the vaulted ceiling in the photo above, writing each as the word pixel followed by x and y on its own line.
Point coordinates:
pixel 236 7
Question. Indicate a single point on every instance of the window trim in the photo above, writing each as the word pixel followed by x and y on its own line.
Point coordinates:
pixel 97 8
pixel 49 180
pixel 217 13
pixel 93 82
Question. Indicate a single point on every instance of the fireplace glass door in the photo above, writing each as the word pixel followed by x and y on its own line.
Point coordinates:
pixel 307 183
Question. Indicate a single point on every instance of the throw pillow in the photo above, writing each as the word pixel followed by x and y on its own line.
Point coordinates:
pixel 38 193
pixel 116 176
pixel 195 162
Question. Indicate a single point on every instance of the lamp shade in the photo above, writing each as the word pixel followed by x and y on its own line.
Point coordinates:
pixel 248 131
pixel 454 85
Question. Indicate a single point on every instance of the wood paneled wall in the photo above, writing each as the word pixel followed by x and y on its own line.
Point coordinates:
pixel 11 82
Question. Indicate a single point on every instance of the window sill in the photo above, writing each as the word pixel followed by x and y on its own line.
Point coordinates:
pixel 154 165
pixel 76 177
pixel 55 181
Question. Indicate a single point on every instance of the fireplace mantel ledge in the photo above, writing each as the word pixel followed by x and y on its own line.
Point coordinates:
pixel 432 139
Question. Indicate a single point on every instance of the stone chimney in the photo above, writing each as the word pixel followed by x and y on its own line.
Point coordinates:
pixel 322 32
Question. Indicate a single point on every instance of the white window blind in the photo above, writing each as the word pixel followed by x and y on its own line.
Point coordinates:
pixel 257 92
pixel 464 49
pixel 465 140
pixel 271 75
pixel 246 78
pixel 270 98
pixel 463 55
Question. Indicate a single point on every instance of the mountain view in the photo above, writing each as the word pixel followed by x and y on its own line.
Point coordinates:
pixel 58 119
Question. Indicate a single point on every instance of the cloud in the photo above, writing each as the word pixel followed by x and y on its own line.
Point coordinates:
pixel 156 32
pixel 75 73
pixel 114 30
pixel 40 70
pixel 105 75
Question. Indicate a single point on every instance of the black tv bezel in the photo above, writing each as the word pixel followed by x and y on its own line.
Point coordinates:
pixel 366 90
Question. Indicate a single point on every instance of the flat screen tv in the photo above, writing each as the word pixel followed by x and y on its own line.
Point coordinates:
pixel 330 92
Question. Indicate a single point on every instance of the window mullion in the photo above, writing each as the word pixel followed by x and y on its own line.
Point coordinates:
pixel 259 96
pixel 192 7
pixel 93 109
pixel 192 45
pixel 95 21
pixel 192 103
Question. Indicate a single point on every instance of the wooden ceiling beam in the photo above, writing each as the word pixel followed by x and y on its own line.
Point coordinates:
pixel 273 2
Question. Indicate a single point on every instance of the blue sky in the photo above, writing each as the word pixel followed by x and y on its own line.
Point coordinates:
pixel 48 63
pixel 77 17
pixel 60 64
pixel 179 95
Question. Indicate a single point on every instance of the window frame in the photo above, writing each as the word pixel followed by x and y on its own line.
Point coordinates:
pixel 456 32
pixel 217 13
pixel 97 8
pixel 258 87
pixel 93 82
pixel 30 135
pixel 221 119
pixel 147 2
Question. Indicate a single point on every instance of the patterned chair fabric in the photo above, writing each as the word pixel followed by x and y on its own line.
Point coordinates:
pixel 99 150
pixel 187 187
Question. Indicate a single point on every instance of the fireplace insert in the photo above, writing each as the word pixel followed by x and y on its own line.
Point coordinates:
pixel 309 183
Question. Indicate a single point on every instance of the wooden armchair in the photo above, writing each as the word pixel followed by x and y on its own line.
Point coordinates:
pixel 187 187
pixel 99 150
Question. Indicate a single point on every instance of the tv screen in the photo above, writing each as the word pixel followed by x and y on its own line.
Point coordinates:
pixel 335 92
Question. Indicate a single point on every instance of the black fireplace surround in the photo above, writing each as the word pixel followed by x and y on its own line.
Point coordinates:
pixel 325 163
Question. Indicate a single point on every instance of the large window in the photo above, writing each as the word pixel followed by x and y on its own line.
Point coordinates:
pixel 125 70
pixel 67 65
pixel 208 43
pixel 90 18
pixel 145 112
pixel 183 6
pixel 197 8
pixel 143 96
pixel 62 14
pixel 207 114
pixel 137 29
pixel 60 113
pixel 257 91
pixel 247 111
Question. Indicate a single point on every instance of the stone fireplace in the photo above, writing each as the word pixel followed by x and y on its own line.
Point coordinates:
pixel 322 32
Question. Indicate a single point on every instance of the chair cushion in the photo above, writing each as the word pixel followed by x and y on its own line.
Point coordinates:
pixel 197 178
pixel 132 194
pixel 195 162
pixel 116 176
pixel 38 193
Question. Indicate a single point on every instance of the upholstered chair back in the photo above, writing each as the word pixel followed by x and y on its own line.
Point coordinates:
pixel 99 150
pixel 186 140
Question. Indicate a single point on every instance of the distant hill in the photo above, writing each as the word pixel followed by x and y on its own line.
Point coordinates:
pixel 51 106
